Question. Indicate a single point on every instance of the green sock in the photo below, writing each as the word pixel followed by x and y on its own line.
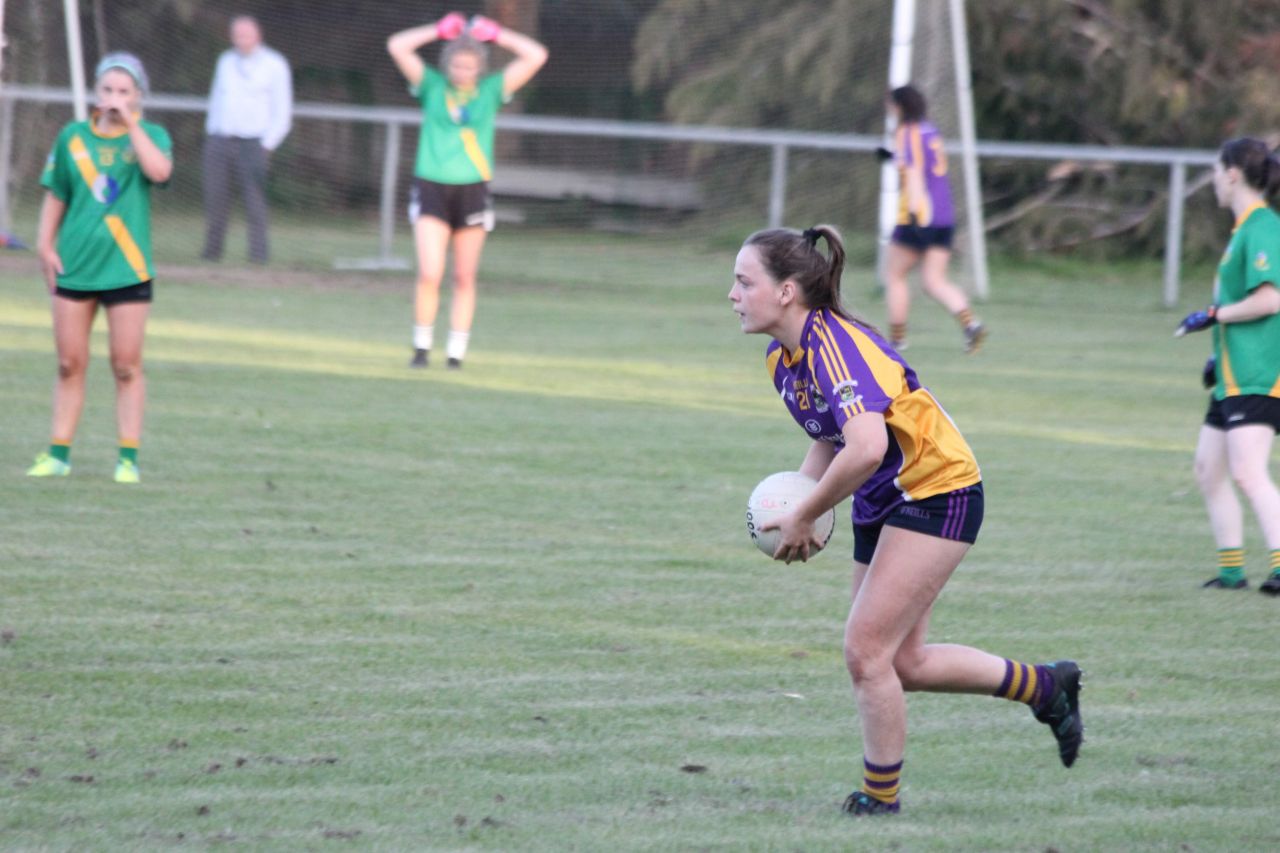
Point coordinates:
pixel 61 452
pixel 1231 565
pixel 130 453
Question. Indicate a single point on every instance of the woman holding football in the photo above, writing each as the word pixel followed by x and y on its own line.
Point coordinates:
pixel 450 201
pixel 877 434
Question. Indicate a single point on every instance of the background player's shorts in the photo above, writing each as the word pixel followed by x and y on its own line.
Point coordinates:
pixel 919 238
pixel 953 515
pixel 1244 410
pixel 115 296
pixel 457 205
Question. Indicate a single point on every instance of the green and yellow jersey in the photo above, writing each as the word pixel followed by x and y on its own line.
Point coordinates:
pixel 456 142
pixel 1248 353
pixel 104 240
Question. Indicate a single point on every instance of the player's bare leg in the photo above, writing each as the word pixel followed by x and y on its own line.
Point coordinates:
pixel 431 243
pixel 468 243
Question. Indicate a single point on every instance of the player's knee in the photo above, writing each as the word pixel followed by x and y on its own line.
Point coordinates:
pixel 910 668
pixel 71 366
pixel 863 661
pixel 1252 482
pixel 464 283
pixel 1206 473
pixel 126 371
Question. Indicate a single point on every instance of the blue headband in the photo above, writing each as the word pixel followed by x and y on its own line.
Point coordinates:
pixel 127 63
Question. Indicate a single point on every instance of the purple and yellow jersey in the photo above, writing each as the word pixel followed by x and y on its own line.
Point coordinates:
pixel 919 147
pixel 842 370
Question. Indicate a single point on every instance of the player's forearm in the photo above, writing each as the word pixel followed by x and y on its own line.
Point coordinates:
pixel 1263 302
pixel 153 162
pixel 848 470
pixel 817 459
pixel 408 42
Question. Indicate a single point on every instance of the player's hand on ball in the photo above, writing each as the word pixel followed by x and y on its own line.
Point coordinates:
pixel 483 29
pixel 1210 375
pixel 797 539
pixel 451 26
pixel 1197 321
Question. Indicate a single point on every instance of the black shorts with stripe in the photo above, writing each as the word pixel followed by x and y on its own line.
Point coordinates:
pixel 1243 410
pixel 457 205
pixel 951 515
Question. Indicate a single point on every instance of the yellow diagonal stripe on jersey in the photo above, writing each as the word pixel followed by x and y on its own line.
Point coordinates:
pixel 125 241
pixel 119 231
pixel 472 146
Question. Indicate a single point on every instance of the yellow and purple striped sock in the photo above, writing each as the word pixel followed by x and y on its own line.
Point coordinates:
pixel 1231 564
pixel 1030 684
pixel 897 333
pixel 881 781
pixel 964 317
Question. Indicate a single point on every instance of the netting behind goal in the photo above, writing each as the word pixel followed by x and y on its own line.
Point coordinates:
pixel 812 66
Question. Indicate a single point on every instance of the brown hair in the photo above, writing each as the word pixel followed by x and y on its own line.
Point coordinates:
pixel 910 102
pixel 790 254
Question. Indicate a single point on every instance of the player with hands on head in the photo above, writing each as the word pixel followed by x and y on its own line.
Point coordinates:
pixel 1244 373
pixel 879 435
pixel 450 203
pixel 926 222
pixel 94 242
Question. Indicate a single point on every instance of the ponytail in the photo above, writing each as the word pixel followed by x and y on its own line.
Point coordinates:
pixel 790 254
pixel 1256 162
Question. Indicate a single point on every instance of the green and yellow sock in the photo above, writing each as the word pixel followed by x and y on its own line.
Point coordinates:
pixel 1275 563
pixel 60 451
pixel 129 450
pixel 1231 564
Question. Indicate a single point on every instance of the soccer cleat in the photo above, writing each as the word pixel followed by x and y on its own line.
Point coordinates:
pixel 127 472
pixel 1061 710
pixel 420 357
pixel 1271 586
pixel 861 803
pixel 49 466
pixel 1219 583
pixel 974 335
pixel 454 364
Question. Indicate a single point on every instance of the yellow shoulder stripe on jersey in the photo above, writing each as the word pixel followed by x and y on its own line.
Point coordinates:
pixel 472 146
pixel 837 368
pixel 887 373
pixel 119 231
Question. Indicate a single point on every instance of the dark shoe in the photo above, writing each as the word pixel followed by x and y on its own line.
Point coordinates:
pixel 1219 583
pixel 1060 710
pixel 420 357
pixel 1271 586
pixel 860 803
pixel 454 364
pixel 974 335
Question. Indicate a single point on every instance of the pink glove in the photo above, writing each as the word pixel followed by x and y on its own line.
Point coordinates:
pixel 451 26
pixel 483 29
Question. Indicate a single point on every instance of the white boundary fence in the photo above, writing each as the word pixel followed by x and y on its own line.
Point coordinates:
pixel 779 142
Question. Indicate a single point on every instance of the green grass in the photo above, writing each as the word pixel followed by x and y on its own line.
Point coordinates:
pixel 355 606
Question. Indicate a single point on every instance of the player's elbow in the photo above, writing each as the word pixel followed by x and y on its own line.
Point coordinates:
pixel 1270 299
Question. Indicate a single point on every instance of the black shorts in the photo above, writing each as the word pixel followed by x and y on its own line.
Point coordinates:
pixel 106 298
pixel 951 515
pixel 919 238
pixel 457 205
pixel 1244 410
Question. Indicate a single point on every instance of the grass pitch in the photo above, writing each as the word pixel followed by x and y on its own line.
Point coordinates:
pixel 515 607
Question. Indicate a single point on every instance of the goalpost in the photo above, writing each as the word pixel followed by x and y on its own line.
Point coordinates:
pixel 915 31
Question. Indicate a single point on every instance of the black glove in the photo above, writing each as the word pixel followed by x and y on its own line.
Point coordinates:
pixel 883 154
pixel 1210 375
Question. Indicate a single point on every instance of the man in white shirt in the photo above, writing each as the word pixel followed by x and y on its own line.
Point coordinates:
pixel 250 112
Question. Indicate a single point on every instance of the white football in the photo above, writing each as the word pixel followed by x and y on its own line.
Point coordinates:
pixel 776 496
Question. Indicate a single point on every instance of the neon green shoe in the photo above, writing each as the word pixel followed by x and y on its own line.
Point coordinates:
pixel 49 466
pixel 127 472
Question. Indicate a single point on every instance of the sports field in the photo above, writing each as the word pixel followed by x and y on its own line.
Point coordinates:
pixel 515 607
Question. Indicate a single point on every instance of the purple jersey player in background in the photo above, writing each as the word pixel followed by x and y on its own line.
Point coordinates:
pixel 926 222
pixel 877 434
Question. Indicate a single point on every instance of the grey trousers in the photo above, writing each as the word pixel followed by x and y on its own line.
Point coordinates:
pixel 228 158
